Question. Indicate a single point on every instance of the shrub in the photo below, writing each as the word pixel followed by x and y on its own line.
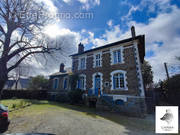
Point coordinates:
pixel 13 106
pixel 63 98
pixel 75 96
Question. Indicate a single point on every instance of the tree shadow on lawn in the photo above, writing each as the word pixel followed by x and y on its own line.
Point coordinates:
pixel 132 124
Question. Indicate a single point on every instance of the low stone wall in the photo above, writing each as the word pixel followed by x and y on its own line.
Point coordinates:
pixel 134 106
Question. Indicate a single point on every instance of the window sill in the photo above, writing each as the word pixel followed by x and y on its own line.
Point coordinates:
pixel 82 69
pixel 117 63
pixel 97 66
pixel 120 89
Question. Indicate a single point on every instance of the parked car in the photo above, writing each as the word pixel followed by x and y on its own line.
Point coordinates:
pixel 4 121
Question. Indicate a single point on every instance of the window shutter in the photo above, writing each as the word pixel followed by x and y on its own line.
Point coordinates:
pixel 119 55
pixel 115 57
pixel 114 82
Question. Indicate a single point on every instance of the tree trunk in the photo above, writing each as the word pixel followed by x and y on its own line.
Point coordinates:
pixel 3 76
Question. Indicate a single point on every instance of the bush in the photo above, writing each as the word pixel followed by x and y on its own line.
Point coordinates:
pixel 75 96
pixel 24 94
pixel 63 98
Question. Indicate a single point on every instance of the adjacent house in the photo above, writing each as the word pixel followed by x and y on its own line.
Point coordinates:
pixel 110 75
pixel 21 84
pixel 59 82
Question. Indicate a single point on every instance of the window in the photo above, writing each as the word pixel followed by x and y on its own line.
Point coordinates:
pixel 82 63
pixel 97 60
pixel 117 56
pixel 81 83
pixel 55 83
pixel 118 81
pixel 65 83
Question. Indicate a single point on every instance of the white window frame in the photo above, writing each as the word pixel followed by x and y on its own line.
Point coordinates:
pixel 84 87
pixel 121 48
pixel 57 83
pixel 112 80
pixel 100 59
pixel 67 83
pixel 79 62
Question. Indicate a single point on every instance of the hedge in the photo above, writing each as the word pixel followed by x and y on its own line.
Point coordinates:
pixel 24 94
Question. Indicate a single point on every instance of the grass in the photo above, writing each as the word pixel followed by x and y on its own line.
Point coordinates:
pixel 39 107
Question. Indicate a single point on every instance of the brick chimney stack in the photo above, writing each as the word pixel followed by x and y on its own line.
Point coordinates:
pixel 61 67
pixel 133 33
pixel 80 48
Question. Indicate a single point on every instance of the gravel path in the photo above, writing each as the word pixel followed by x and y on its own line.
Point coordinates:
pixel 70 123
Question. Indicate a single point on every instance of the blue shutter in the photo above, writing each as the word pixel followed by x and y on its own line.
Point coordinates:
pixel 78 84
pixel 115 57
pixel 114 83
pixel 55 83
pixel 65 83
pixel 119 56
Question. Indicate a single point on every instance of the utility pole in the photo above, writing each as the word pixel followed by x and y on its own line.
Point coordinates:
pixel 165 65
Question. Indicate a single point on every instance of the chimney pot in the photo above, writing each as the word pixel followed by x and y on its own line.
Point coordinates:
pixel 133 33
pixel 61 67
pixel 80 48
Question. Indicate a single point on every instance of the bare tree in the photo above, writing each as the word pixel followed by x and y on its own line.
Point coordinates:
pixel 24 19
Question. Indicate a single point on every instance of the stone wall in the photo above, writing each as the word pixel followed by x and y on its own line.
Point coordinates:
pixel 129 66
pixel 134 106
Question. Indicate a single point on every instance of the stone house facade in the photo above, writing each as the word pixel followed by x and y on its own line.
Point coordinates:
pixel 120 59
pixel 113 71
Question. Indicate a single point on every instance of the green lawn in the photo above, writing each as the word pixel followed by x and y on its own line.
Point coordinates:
pixel 37 107
pixel 25 108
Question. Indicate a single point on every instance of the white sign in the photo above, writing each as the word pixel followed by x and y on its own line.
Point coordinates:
pixel 167 119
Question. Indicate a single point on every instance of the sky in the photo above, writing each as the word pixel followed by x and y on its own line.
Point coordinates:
pixel 98 22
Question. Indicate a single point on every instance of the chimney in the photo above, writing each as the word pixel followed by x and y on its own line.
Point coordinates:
pixel 133 33
pixel 61 67
pixel 80 48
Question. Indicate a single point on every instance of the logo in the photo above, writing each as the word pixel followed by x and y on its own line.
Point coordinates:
pixel 168 116
pixel 166 119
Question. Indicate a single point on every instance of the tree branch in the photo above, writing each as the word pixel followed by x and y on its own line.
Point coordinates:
pixel 2 30
pixel 17 51
pixel 21 59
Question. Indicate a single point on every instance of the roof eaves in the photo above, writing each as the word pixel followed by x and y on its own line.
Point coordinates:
pixel 109 45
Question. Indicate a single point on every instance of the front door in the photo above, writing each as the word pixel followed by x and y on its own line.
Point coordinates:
pixel 97 84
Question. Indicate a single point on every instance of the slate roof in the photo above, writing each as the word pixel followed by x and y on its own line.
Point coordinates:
pixel 141 47
pixel 66 72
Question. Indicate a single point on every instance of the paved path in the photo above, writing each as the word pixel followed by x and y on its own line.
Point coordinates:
pixel 71 123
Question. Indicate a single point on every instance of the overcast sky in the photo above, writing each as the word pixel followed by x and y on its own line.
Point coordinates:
pixel 109 21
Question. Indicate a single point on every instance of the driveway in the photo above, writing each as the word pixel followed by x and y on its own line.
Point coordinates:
pixel 75 122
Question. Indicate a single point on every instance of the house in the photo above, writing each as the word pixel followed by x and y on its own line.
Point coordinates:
pixel 111 75
pixel 59 81
pixel 21 84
